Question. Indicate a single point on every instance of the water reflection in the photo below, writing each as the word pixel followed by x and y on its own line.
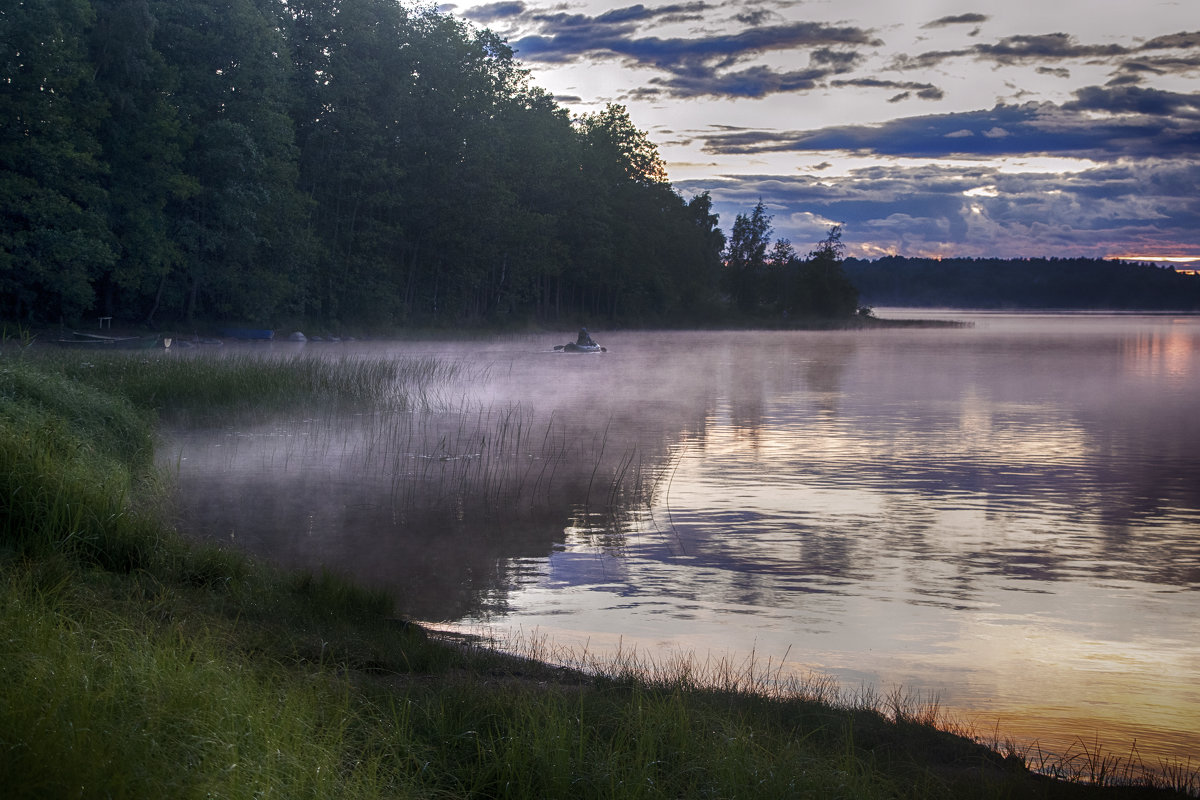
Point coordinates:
pixel 1007 514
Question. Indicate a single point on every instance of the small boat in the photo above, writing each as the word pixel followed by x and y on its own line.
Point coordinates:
pixel 571 347
pixel 262 334
pixel 96 341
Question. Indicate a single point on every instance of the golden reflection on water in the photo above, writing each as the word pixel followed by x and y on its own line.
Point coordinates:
pixel 1166 353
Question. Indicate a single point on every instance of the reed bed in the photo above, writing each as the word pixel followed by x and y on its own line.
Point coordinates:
pixel 198 387
pixel 501 459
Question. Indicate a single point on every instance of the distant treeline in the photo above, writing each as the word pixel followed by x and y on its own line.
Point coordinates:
pixel 352 162
pixel 1033 283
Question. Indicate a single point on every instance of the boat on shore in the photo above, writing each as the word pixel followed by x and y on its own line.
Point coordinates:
pixel 95 341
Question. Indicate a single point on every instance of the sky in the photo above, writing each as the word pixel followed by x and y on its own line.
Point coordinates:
pixel 981 128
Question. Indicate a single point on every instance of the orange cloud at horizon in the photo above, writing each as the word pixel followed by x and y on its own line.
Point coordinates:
pixel 1172 259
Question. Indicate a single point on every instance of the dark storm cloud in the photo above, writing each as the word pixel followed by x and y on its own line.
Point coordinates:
pixel 1137 123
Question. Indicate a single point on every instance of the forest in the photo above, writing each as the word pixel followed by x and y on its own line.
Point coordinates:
pixel 349 162
pixel 1023 283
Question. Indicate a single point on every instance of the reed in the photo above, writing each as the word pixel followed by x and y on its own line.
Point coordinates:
pixel 201 386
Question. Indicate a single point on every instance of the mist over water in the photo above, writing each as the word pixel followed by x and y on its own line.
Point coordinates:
pixel 1007 515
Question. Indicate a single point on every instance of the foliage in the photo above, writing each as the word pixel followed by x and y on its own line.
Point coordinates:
pixel 357 162
pixel 778 285
pixel 822 288
pixel 746 257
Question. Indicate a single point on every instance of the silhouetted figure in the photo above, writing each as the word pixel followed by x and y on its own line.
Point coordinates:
pixel 585 338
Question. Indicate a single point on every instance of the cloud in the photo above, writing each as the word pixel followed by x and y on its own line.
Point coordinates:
pixel 981 210
pixel 752 82
pixel 1102 123
pixel 1048 46
pixel 707 64
pixel 756 16
pixel 1048 49
pixel 1136 188
pixel 1172 41
pixel 957 19
pixel 1136 100
pixel 1058 72
pixel 493 12
pixel 925 91
pixel 576 39
pixel 938 182
pixel 704 66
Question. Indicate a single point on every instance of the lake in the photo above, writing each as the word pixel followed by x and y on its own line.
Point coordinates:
pixel 1004 516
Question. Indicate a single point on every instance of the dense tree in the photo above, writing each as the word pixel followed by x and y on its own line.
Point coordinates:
pixel 1019 283
pixel 822 288
pixel 339 161
pixel 237 214
pixel 143 145
pixel 55 241
pixel 746 258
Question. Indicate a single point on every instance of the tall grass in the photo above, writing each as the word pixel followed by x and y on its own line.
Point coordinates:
pixel 497 460
pixel 207 384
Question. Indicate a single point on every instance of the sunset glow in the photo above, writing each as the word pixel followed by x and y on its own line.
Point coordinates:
pixel 1167 259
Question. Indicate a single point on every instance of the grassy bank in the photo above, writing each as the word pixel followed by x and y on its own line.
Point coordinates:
pixel 135 664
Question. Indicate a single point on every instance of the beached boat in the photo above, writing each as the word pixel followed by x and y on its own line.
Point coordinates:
pixel 95 341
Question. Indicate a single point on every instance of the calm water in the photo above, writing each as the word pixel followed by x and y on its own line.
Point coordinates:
pixel 1006 516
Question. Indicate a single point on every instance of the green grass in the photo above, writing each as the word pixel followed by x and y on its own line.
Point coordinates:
pixel 204 384
pixel 134 664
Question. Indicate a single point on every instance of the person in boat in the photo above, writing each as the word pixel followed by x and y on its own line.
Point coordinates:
pixel 584 339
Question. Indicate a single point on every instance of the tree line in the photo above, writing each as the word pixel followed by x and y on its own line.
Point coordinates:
pixel 770 282
pixel 1023 283
pixel 344 161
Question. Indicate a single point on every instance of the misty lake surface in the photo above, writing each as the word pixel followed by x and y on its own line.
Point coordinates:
pixel 1005 516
